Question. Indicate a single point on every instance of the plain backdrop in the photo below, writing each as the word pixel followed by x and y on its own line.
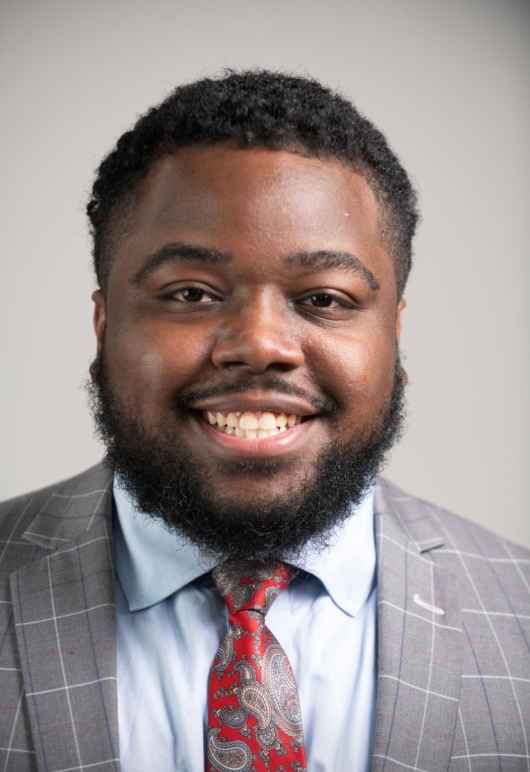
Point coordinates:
pixel 447 82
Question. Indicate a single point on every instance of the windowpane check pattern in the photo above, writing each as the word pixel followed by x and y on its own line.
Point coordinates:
pixel 453 636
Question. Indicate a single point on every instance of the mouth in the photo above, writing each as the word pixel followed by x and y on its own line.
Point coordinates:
pixel 253 433
pixel 250 425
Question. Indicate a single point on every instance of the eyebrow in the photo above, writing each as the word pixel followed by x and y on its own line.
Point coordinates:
pixel 313 261
pixel 179 251
pixel 329 259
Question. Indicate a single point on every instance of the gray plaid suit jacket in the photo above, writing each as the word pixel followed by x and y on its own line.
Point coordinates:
pixel 453 636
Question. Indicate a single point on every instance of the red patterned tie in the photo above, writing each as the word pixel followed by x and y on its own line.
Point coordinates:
pixel 254 717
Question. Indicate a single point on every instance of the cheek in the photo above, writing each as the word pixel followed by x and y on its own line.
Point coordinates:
pixel 149 368
pixel 135 368
pixel 358 372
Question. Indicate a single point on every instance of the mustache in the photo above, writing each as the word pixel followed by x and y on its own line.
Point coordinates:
pixel 185 400
pixel 322 404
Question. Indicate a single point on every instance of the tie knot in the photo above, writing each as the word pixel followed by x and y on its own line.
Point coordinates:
pixel 250 586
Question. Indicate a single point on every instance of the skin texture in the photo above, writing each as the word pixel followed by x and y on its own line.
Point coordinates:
pixel 257 322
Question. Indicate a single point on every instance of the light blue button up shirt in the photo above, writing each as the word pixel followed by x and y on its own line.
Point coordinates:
pixel 171 620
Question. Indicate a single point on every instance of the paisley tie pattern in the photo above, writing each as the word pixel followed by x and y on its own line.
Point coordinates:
pixel 254 716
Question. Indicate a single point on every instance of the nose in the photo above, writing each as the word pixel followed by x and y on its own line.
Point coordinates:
pixel 258 335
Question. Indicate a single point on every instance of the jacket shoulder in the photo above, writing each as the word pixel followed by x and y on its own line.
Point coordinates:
pixel 18 512
pixel 458 532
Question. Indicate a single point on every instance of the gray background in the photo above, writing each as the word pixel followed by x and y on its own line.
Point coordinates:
pixel 448 82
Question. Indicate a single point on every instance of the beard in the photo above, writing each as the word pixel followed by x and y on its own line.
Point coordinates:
pixel 165 482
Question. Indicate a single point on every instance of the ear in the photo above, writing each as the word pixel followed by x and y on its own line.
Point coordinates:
pixel 400 307
pixel 100 316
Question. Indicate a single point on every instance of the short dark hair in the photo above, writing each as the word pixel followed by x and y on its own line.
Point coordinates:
pixel 256 108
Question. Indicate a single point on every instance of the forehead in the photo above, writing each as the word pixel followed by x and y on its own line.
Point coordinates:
pixel 254 202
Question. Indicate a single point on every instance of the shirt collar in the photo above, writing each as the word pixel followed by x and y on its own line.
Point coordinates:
pixel 153 562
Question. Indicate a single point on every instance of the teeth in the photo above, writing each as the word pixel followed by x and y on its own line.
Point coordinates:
pixel 252 425
pixel 249 434
pixel 268 432
pixel 267 421
pixel 281 420
pixel 249 421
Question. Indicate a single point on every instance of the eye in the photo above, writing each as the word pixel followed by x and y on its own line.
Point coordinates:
pixel 191 295
pixel 327 300
pixel 321 299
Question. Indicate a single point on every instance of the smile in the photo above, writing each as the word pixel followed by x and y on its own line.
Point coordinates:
pixel 257 433
pixel 252 425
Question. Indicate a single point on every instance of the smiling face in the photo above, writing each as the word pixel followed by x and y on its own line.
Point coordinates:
pixel 250 320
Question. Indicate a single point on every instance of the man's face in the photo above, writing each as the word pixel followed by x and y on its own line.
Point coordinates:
pixel 252 290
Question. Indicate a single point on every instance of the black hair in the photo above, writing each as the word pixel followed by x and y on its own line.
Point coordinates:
pixel 256 108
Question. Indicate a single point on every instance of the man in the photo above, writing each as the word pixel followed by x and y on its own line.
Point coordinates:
pixel 252 242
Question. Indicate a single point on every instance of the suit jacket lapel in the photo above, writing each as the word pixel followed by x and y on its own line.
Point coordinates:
pixel 65 625
pixel 419 639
